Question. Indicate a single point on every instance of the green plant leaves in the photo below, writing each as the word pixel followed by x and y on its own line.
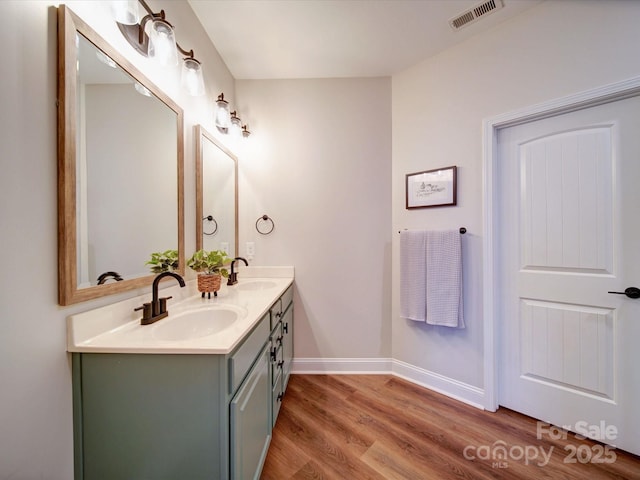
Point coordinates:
pixel 166 261
pixel 209 262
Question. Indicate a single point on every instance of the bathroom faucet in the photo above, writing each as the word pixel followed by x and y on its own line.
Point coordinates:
pixel 157 309
pixel 233 276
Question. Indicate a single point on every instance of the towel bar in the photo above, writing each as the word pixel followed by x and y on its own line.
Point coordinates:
pixel 463 230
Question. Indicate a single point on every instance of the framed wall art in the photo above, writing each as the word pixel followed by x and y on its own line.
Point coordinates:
pixel 431 188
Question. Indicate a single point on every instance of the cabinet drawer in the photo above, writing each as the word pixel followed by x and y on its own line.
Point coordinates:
pixel 277 362
pixel 277 395
pixel 279 307
pixel 287 298
pixel 241 360
pixel 275 313
pixel 276 335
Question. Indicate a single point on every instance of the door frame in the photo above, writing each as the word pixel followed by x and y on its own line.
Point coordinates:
pixel 490 201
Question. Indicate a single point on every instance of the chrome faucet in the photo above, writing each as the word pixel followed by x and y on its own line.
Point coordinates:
pixel 233 276
pixel 157 308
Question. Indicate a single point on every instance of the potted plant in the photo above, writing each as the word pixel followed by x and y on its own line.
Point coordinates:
pixel 210 268
pixel 166 261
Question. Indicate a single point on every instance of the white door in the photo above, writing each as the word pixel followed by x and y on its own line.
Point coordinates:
pixel 569 215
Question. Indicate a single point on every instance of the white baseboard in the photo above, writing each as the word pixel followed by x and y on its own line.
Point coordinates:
pixel 342 365
pixel 463 392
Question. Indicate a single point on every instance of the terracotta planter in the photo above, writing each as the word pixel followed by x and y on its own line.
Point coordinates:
pixel 208 283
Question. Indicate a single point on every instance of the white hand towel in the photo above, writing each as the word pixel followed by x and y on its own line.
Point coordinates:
pixel 444 278
pixel 413 280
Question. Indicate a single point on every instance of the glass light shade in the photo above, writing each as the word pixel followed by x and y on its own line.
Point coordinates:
pixel 236 126
pixel 125 11
pixel 192 80
pixel 162 43
pixel 245 131
pixel 223 116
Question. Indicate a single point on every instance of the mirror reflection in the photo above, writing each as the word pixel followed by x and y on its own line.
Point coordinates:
pixel 120 168
pixel 217 195
pixel 126 165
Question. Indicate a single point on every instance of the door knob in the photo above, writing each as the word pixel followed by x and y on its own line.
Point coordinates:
pixel 631 292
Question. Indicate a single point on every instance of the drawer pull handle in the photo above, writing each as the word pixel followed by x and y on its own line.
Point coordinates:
pixel 280 395
pixel 285 327
pixel 280 363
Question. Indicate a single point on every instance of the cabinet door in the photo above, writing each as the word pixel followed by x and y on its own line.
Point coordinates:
pixel 141 416
pixel 250 419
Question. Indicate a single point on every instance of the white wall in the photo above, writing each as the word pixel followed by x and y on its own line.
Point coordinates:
pixel 552 50
pixel 35 375
pixel 319 164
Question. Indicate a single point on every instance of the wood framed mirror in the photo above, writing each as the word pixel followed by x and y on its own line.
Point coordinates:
pixel 120 168
pixel 216 195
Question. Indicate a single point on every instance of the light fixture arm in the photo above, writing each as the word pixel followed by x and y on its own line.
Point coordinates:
pixel 188 54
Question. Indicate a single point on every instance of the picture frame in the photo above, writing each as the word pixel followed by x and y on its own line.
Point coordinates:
pixel 431 188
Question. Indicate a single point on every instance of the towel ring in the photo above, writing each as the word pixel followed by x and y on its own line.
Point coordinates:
pixel 210 219
pixel 265 231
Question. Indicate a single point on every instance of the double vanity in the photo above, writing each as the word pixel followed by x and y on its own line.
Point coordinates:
pixel 194 395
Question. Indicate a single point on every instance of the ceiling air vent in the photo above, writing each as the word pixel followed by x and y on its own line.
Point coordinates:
pixel 475 13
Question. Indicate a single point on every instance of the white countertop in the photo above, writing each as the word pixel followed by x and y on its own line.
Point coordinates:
pixel 116 328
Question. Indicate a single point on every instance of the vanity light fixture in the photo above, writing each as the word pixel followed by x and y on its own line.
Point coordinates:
pixel 236 124
pixel 162 43
pixel 159 44
pixel 223 116
pixel 227 121
pixel 191 79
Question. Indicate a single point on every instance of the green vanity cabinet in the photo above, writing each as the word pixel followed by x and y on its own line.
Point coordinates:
pixel 181 416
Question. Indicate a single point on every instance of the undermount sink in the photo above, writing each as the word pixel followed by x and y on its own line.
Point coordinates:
pixel 197 323
pixel 256 285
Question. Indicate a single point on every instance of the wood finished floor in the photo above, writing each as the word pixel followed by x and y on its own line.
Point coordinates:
pixel 381 427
